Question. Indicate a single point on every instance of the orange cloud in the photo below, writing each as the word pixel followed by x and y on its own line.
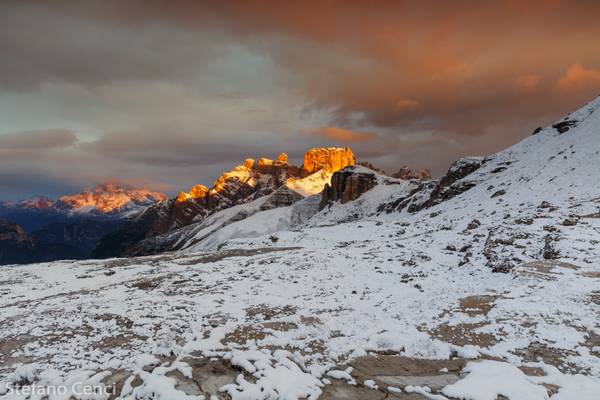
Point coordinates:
pixel 343 135
pixel 577 77
pixel 407 104
pixel 527 83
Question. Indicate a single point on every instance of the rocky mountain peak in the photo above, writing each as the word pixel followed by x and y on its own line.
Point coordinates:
pixel 109 198
pixel 196 192
pixel 245 183
pixel 37 203
pixel 282 158
pixel 268 174
pixel 250 174
pixel 330 159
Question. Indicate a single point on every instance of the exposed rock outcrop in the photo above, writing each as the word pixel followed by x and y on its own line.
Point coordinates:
pixel 347 185
pixel 372 167
pixel 196 192
pixel 282 197
pixel 251 173
pixel 564 126
pixel 329 159
pixel 449 186
pixel 15 245
pixel 407 174
pixel 550 251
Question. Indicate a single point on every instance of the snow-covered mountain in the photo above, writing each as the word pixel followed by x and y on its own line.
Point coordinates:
pixel 35 203
pixel 72 226
pixel 156 229
pixel 480 285
pixel 109 199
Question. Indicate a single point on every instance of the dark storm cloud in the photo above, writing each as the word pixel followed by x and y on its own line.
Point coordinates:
pixel 44 44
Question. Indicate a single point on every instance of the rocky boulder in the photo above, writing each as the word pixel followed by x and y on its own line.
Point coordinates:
pixel 564 125
pixel 347 185
pixel 329 159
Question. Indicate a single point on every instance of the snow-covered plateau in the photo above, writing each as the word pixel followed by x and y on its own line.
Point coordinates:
pixel 484 285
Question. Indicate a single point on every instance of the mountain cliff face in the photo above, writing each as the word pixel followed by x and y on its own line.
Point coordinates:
pixel 328 159
pixel 245 183
pixel 18 247
pixel 250 179
pixel 15 244
pixel 347 185
pixel 81 235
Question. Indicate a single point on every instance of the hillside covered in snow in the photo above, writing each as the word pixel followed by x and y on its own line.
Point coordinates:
pixel 482 285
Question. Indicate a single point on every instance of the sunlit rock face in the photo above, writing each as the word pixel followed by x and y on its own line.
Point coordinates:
pixel 329 159
pixel 252 179
pixel 196 192
pixel 110 198
pixel 266 175
pixel 251 176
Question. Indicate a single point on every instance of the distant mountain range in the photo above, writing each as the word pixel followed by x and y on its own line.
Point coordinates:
pixel 42 229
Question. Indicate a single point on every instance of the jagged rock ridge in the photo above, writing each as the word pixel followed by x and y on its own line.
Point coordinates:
pixel 109 198
pixel 245 183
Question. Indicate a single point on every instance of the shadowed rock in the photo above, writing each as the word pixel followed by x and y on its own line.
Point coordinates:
pixel 347 185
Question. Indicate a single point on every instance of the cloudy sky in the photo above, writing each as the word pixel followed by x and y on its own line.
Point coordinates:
pixel 167 94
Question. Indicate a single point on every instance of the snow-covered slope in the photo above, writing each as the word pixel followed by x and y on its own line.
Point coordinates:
pixel 481 286
pixel 310 185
